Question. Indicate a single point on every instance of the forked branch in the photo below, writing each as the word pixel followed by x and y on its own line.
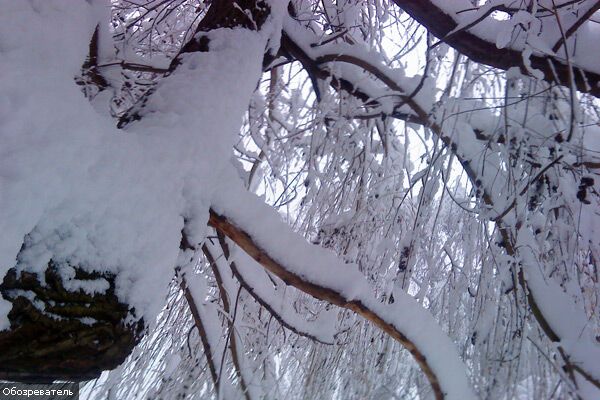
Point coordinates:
pixel 362 306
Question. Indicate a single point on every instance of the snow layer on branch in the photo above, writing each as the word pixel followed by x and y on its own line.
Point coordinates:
pixel 280 300
pixel 79 190
pixel 365 68
pixel 566 318
pixel 542 32
pixel 322 267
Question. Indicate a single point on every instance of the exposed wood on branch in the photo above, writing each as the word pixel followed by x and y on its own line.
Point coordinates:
pixel 239 275
pixel 247 243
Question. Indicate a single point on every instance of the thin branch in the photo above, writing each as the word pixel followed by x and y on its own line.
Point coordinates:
pixel 248 244
pixel 233 347
pixel 200 326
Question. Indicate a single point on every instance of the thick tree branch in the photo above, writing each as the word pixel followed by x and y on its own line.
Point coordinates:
pixel 91 80
pixel 258 295
pixel 443 26
pixel 422 116
pixel 247 243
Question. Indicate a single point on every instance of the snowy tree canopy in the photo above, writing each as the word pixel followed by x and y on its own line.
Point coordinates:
pixel 300 199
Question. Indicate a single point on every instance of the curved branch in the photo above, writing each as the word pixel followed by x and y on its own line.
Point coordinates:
pixel 233 347
pixel 421 115
pixel 259 294
pixel 580 21
pixel 444 27
pixel 406 321
pixel 200 326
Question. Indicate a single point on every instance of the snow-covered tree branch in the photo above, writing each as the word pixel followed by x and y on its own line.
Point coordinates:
pixel 261 199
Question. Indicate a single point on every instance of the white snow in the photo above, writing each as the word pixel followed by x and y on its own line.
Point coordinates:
pixel 76 190
pixel 541 35
pixel 276 297
pixel 94 196
pixel 322 267
pixel 5 307
pixel 566 318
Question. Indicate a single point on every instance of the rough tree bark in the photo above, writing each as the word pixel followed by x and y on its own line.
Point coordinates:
pixel 75 337
pixel 58 334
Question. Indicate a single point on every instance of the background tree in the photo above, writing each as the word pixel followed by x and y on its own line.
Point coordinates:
pixel 446 152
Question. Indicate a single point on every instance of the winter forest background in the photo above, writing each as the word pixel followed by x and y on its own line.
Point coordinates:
pixel 237 199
